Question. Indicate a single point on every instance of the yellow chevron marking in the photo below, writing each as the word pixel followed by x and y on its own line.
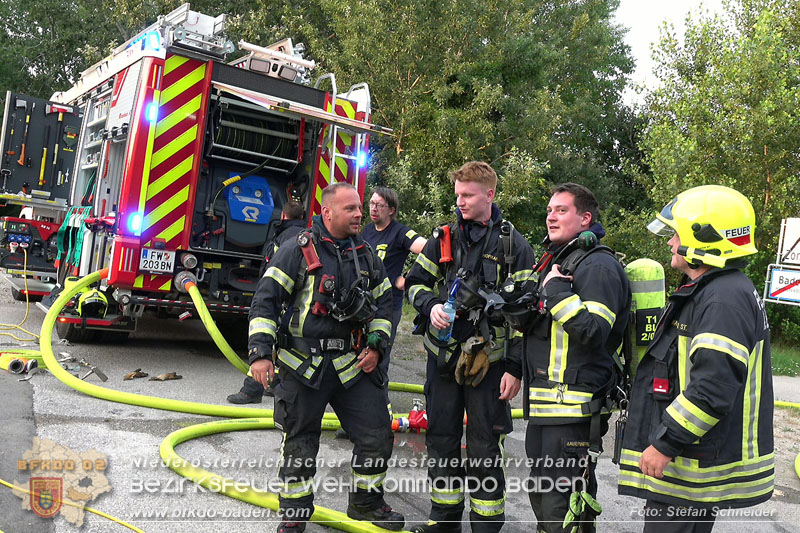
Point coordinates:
pixel 170 149
pixel 174 62
pixel 166 286
pixel 325 170
pixel 347 107
pixel 174 229
pixel 168 93
pixel 164 209
pixel 170 177
pixel 346 138
pixel 139 281
pixel 148 154
pixel 186 110
pixel 341 164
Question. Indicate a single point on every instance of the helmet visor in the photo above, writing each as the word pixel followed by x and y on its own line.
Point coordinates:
pixel 660 229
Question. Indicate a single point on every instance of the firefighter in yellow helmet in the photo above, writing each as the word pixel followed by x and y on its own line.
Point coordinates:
pixel 699 433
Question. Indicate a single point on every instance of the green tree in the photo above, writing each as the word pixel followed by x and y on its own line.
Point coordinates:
pixel 726 113
pixel 530 86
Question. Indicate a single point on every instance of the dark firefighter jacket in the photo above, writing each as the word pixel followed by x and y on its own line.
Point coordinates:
pixel 569 353
pixel 284 232
pixel 429 281
pixel 703 395
pixel 307 342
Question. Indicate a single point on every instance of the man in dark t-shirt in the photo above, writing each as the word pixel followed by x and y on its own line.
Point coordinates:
pixel 393 241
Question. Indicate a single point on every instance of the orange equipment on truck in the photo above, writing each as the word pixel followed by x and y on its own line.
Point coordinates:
pixel 170 163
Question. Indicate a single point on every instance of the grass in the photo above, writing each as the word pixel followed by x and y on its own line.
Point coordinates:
pixel 785 360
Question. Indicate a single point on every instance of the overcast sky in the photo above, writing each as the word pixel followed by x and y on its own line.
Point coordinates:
pixel 643 19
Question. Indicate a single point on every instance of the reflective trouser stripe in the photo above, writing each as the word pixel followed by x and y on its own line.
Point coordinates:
pixel 488 507
pixel 447 497
pixel 690 417
pixel 368 481
pixel 298 489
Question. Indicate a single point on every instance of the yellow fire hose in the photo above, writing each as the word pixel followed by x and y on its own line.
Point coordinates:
pixel 207 479
pixel 78 506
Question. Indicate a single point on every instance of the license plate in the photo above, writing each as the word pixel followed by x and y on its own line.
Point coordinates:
pixel 157 261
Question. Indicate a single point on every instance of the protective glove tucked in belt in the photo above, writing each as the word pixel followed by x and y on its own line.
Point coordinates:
pixel 473 363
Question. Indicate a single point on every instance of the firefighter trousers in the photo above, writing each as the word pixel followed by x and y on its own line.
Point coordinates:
pixel 481 475
pixel 558 453
pixel 663 517
pixel 362 412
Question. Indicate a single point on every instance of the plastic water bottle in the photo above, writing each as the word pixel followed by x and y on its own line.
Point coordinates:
pixel 450 309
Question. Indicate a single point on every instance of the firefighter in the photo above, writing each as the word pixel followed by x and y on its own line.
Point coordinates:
pixel 392 241
pixel 328 350
pixel 699 431
pixel 290 225
pixel 584 299
pixel 477 368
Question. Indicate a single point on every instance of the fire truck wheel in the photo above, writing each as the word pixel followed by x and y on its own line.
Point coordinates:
pixel 72 333
pixel 20 296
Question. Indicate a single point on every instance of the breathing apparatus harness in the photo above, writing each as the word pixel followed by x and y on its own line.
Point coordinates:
pixel 354 305
pixel 480 301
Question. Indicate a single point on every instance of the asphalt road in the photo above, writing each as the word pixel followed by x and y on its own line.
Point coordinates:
pixel 155 499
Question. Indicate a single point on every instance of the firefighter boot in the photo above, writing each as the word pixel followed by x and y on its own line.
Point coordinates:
pixel 437 527
pixel 241 398
pixel 383 516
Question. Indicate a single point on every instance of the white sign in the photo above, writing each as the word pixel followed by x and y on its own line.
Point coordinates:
pixel 783 285
pixel 789 245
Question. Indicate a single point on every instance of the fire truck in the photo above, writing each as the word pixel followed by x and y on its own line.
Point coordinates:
pixel 164 161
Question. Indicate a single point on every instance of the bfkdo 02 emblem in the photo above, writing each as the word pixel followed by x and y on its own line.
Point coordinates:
pixel 46 495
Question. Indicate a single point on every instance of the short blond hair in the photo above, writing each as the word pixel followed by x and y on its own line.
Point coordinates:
pixel 476 171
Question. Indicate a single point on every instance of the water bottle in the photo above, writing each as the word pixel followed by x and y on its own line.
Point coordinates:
pixel 450 309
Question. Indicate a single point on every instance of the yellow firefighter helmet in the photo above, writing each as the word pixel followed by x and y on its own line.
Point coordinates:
pixel 712 220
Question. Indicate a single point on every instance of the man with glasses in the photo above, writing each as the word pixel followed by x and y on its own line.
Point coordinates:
pixel 392 241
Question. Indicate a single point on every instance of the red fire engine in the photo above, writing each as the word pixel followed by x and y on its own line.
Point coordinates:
pixel 165 161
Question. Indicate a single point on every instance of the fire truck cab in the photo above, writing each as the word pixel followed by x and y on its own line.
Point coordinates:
pixel 165 163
